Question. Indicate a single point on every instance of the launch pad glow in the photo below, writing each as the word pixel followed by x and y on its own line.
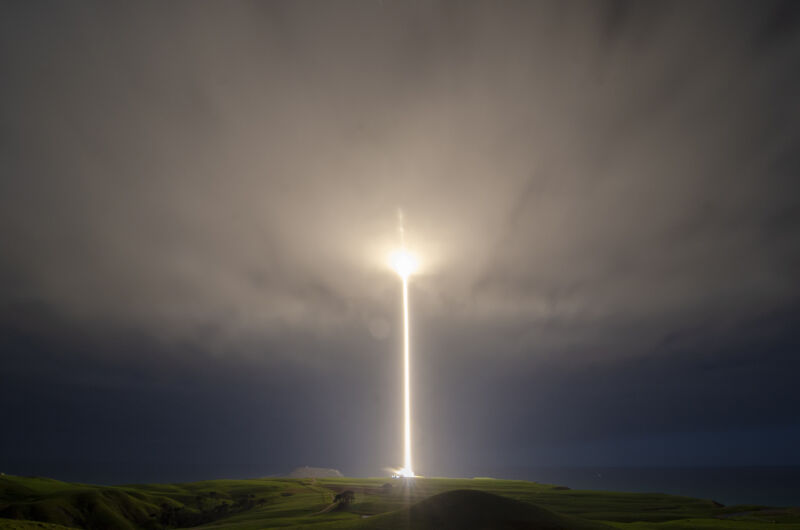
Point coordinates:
pixel 405 264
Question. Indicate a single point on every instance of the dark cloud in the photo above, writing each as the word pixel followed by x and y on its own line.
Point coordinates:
pixel 202 196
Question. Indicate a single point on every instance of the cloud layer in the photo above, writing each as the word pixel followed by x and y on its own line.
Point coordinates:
pixel 584 182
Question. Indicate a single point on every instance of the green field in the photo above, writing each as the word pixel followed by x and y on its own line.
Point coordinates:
pixel 32 503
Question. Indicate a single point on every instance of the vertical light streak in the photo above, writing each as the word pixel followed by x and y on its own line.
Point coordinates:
pixel 407 361
pixel 405 264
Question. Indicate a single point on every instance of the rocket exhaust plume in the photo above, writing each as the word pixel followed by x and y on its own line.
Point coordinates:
pixel 404 264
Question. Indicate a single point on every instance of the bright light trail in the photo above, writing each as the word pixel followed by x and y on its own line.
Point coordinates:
pixel 406 362
pixel 404 263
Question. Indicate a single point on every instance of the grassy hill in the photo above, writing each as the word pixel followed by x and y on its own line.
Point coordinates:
pixel 465 509
pixel 29 503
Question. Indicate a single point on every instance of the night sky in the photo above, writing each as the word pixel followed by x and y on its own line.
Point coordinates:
pixel 197 202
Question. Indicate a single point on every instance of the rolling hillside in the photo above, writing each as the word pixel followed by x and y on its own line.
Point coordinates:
pixel 29 503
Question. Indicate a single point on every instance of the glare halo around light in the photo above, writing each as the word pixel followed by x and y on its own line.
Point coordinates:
pixel 403 262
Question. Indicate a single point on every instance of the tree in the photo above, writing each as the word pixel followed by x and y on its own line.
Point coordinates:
pixel 345 498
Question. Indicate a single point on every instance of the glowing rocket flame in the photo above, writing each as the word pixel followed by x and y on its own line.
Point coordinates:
pixel 403 263
pixel 407 470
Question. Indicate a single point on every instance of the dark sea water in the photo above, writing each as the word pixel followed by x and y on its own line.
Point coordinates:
pixel 771 486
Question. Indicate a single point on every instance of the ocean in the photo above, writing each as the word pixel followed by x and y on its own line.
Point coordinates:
pixel 770 486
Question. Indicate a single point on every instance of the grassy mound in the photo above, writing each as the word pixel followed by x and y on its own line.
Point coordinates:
pixel 14 524
pixel 475 509
pixel 73 505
